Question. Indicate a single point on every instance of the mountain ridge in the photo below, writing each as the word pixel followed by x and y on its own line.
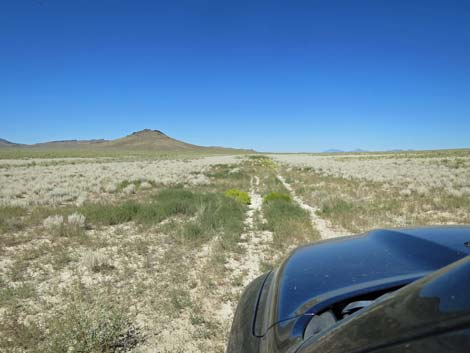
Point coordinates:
pixel 142 140
pixel 4 143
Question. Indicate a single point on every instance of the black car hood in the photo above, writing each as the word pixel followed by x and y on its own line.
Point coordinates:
pixel 315 276
pixel 430 307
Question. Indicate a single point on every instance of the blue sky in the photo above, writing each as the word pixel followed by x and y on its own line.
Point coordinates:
pixel 270 75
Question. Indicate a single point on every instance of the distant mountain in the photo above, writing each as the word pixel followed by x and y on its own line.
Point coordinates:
pixel 6 143
pixel 333 150
pixel 146 140
pixel 401 150
pixel 150 140
pixel 68 144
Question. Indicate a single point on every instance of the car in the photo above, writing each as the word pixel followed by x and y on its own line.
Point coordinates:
pixel 388 291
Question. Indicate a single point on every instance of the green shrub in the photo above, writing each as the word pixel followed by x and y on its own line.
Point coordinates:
pixel 238 195
pixel 273 196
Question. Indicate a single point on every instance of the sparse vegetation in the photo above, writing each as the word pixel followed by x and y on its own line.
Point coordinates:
pixel 89 267
pixel 361 193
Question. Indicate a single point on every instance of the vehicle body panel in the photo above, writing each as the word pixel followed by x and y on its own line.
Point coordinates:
pixel 432 306
pixel 316 276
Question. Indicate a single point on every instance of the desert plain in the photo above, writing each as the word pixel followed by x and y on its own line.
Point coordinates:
pixel 150 254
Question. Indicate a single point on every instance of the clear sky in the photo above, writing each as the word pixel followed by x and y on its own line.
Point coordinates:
pixel 270 75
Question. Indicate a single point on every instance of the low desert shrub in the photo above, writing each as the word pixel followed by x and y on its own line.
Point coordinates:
pixel 89 325
pixel 53 222
pixel 96 262
pixel 57 225
pixel 88 322
pixel 238 195
pixel 76 219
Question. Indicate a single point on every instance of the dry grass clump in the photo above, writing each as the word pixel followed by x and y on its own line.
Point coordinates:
pixel 57 225
pixel 76 219
pixel 53 222
pixel 96 261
